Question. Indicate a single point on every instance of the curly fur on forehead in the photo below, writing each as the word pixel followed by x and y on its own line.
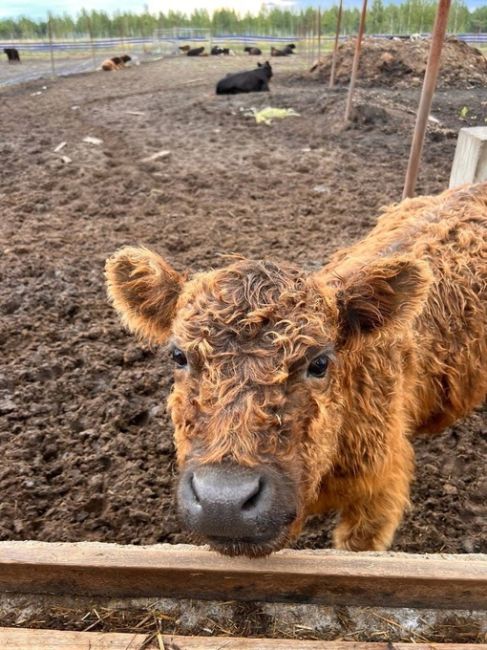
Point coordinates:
pixel 260 309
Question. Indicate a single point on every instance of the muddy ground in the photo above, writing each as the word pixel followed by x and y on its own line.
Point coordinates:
pixel 86 451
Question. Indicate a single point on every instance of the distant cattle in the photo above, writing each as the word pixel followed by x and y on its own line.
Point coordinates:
pixel 216 51
pixel 254 51
pixel 289 49
pixel 12 54
pixel 405 37
pixel 253 81
pixel 196 51
pixel 115 63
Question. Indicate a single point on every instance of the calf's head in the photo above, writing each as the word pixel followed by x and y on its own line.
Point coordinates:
pixel 264 357
pixel 266 68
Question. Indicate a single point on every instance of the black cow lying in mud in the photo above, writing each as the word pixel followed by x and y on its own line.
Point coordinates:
pixel 246 82
pixel 195 51
pixel 289 49
pixel 216 51
pixel 253 51
pixel 12 54
pixel 253 81
pixel 192 51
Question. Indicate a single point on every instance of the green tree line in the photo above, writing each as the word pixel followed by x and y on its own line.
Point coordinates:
pixel 410 16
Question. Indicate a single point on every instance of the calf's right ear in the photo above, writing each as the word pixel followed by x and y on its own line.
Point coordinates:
pixel 385 293
pixel 144 290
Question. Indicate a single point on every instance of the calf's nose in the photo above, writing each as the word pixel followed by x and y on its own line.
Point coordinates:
pixel 228 501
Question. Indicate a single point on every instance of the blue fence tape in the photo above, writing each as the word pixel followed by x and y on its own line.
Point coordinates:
pixel 219 38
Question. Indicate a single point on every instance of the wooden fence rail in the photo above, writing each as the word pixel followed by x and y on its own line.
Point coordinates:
pixel 327 577
pixel 19 639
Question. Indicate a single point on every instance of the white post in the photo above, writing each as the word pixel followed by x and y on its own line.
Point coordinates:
pixel 470 162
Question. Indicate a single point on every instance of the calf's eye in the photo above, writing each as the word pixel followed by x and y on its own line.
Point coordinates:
pixel 319 366
pixel 179 358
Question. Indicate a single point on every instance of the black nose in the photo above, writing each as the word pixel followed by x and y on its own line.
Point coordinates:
pixel 232 502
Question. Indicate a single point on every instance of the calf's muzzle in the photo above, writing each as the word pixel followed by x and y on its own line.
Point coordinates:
pixel 228 503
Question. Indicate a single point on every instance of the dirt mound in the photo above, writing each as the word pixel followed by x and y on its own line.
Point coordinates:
pixel 397 63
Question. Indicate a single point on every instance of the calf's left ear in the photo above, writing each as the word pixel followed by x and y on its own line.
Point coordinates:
pixel 384 293
pixel 144 290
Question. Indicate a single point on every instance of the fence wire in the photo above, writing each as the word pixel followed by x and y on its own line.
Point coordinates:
pixel 60 57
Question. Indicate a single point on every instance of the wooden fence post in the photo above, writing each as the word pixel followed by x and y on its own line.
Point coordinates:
pixel 429 85
pixel 335 48
pixel 356 60
pixel 318 24
pixel 51 45
pixel 92 43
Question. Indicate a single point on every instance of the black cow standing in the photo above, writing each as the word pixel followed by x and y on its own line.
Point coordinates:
pixel 253 51
pixel 253 81
pixel 12 54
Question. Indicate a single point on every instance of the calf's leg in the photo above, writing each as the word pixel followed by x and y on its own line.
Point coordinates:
pixel 368 522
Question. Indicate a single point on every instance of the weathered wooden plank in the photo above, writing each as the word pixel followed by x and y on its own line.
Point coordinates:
pixel 228 643
pixel 22 639
pixel 329 577
pixel 470 162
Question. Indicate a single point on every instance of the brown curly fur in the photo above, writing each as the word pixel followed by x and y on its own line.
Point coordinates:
pixel 402 316
pixel 115 63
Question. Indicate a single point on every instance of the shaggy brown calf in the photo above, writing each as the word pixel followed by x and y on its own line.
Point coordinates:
pixel 115 63
pixel 297 393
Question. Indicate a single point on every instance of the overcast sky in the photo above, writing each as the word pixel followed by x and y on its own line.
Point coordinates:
pixel 39 8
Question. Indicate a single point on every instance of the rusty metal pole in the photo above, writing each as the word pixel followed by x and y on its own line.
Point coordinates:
pixel 429 86
pixel 335 49
pixel 356 59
